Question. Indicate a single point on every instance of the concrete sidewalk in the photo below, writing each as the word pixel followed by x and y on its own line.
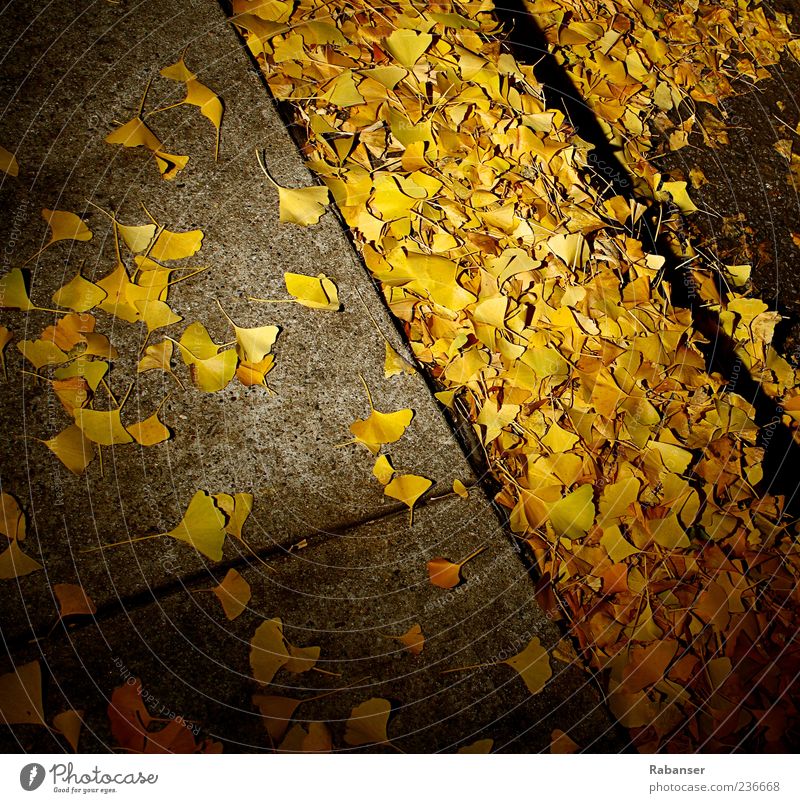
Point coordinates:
pixel 68 75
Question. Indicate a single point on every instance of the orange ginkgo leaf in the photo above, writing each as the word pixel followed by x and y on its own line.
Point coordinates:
pixel 21 696
pixel 445 574
pixel 233 593
pixel 15 563
pixel 268 651
pixel 562 744
pixel 315 739
pixel 152 430
pixel 413 639
pixel 8 162
pixel 12 519
pixel 482 746
pixel 69 724
pixel 73 600
pixel 301 659
pixel 368 722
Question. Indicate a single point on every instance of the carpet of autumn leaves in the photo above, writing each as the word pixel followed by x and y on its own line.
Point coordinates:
pixel 628 468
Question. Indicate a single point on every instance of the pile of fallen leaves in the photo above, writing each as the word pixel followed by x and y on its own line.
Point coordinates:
pixel 630 472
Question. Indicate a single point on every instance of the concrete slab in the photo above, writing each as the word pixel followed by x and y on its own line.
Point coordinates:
pixel 347 596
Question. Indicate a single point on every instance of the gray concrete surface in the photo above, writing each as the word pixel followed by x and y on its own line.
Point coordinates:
pixel 68 74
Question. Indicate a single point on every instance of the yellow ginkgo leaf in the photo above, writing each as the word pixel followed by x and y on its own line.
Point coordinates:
pixel 203 526
pixel 150 431
pixel 276 712
pixel 178 71
pixel 169 164
pixel 533 666
pixel 460 489
pixel 214 374
pixel 255 373
pixel 407 488
pixel 268 652
pixel 12 519
pixel 383 470
pixel 173 245
pixel 103 427
pixel 394 364
pixel 42 352
pixel 156 356
pixel 679 194
pixel 137 238
pixel 73 392
pixel 303 205
pixel 208 102
pixel 368 722
pixel 155 314
pixel 573 515
pixel 237 508
pixel 69 724
pixel 65 226
pixel 196 343
pixel 233 593
pixel 407 46
pixel 21 696
pixel 381 428
pixel 92 371
pixel 134 134
pixel 14 293
pixel 79 294
pixel 253 344
pixel 72 448
pixel 8 162
pixel 316 292
pixel 120 292
pixel 15 563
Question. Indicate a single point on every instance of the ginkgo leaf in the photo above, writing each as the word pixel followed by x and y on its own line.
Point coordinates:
pixel 679 195
pixel 407 46
pixel 573 515
pixel 237 508
pixel 72 448
pixel 65 226
pixel 253 344
pixel 79 294
pixel 8 162
pixel 268 652
pixel 196 343
pixel 174 245
pixel 395 364
pixel 156 357
pixel 14 293
pixel 15 563
pixel 134 134
pixel 119 290
pixel 368 722
pixel 255 373
pixel 533 666
pixel 92 371
pixel 315 292
pixel 178 71
pixel 303 206
pixel 73 600
pixel 233 593
pixel 301 659
pixel 276 713
pixel 202 526
pixel 21 696
pixel 482 746
pixel 12 519
pixel 68 724
pixel 41 352
pixel 562 744
pixel 169 164
pixel 460 489
pixel 208 102
pixel 103 427
pixel 150 431
pixel 155 313
pixel 214 374
pixel 316 739
pixel 137 238
pixel 446 574
pixel 407 488
pixel 383 470
pixel 413 639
